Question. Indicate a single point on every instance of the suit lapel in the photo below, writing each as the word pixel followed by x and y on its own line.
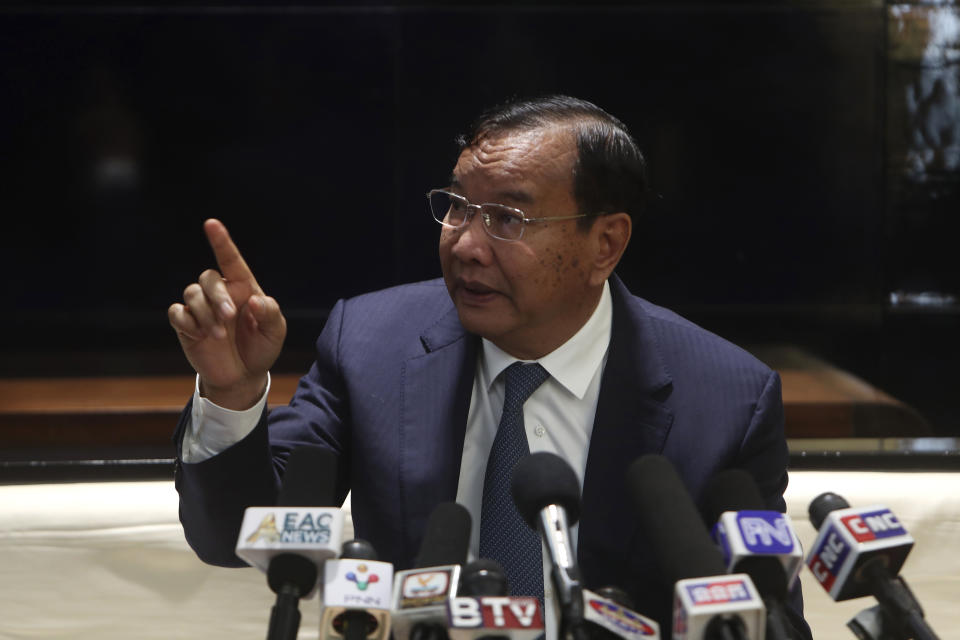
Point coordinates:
pixel 437 387
pixel 631 420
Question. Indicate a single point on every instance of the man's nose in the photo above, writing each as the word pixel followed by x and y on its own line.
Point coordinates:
pixel 473 241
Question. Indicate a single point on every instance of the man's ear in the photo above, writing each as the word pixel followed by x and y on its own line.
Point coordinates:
pixel 611 234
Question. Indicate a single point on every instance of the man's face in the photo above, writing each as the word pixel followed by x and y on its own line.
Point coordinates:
pixel 528 296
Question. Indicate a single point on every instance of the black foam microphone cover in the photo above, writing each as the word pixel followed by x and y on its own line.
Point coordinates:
pixel 310 478
pixel 292 570
pixel 768 575
pixel 824 504
pixel 447 537
pixel 736 490
pixel 542 479
pixel 671 521
pixel 731 490
pixel 358 549
pixel 618 595
pixel 483 577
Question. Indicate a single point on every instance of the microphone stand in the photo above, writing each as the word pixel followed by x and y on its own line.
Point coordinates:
pixel 285 614
pixel 897 600
pixel 291 577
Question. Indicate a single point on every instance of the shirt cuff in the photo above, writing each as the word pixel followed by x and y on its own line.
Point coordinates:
pixel 213 428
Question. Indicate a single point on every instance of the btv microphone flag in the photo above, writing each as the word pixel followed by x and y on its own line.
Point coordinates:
pixel 848 540
pixel 513 617
pixel 699 601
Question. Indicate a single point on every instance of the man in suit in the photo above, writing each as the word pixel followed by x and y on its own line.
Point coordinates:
pixel 409 383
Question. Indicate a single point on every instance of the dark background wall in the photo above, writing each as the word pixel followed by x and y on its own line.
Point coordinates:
pixel 782 141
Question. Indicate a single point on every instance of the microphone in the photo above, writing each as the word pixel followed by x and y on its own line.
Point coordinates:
pixel 356 595
pixel 420 595
pixel 547 495
pixel 291 577
pixel 743 527
pixel 708 603
pixel 483 577
pixel 609 615
pixel 488 617
pixel 859 552
pixel 294 526
pixel 290 541
pixel 755 541
pixel 502 616
pixel 874 623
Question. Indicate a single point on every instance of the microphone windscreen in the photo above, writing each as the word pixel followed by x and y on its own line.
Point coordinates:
pixel 310 478
pixel 483 577
pixel 671 521
pixel 292 569
pixel 736 490
pixel 824 504
pixel 358 549
pixel 618 595
pixel 768 575
pixel 447 537
pixel 542 479
pixel 731 490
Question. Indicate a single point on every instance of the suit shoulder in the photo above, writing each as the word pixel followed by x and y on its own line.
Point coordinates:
pixel 425 298
pixel 398 315
pixel 679 335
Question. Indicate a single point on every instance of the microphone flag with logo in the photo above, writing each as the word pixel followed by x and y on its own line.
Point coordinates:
pixel 743 527
pixel 304 522
pixel 483 609
pixel 859 552
pixel 420 595
pixel 356 595
pixel 708 603
pixel 291 541
pixel 755 541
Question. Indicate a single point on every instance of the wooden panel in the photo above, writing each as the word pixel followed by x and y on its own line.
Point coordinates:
pixel 109 416
pixel 116 416
pixel 112 395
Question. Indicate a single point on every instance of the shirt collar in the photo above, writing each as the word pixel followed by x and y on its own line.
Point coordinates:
pixel 572 364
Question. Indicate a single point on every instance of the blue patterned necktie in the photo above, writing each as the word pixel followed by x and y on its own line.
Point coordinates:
pixel 504 536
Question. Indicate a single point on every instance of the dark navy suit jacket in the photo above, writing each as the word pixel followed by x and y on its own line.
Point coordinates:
pixel 390 390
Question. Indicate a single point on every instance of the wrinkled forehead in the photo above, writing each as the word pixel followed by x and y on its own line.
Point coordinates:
pixel 518 163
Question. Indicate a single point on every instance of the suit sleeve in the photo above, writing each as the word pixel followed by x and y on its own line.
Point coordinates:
pixel 763 451
pixel 764 454
pixel 214 493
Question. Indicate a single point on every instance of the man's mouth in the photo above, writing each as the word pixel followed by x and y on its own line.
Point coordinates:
pixel 476 292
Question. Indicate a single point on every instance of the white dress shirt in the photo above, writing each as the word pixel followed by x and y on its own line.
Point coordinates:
pixel 213 429
pixel 558 417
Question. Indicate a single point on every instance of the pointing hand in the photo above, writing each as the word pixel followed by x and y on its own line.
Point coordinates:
pixel 230 331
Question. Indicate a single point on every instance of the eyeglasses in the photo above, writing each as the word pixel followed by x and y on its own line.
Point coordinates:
pixel 499 221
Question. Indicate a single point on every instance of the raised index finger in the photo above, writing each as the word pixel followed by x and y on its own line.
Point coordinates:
pixel 232 265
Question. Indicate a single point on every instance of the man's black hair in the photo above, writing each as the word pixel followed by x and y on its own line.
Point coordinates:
pixel 610 173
